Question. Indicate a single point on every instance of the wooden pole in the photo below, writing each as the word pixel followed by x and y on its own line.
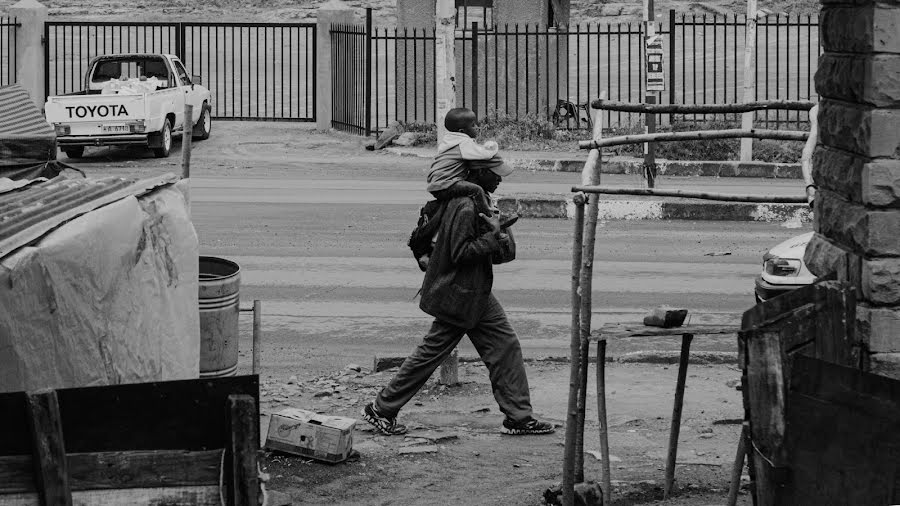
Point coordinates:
pixel 49 452
pixel 760 105
pixel 749 78
pixel 601 419
pixel 569 453
pixel 186 141
pixel 785 135
pixel 649 98
pixel 675 429
pixel 737 469
pixel 444 61
pixel 244 445
pixel 687 194
pixel 257 333
pixel 584 358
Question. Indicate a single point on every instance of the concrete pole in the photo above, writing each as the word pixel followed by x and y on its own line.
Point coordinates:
pixel 32 15
pixel 334 11
pixel 749 78
pixel 445 61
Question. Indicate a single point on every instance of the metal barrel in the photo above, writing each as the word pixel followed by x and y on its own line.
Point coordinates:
pixel 220 282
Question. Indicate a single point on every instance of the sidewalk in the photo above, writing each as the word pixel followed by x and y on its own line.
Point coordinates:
pixel 554 198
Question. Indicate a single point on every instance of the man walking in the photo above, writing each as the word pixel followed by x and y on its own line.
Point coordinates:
pixel 457 292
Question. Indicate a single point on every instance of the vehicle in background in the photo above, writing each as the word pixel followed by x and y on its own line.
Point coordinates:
pixel 130 99
pixel 783 268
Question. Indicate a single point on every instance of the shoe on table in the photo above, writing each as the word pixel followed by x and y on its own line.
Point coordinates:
pixel 386 425
pixel 526 427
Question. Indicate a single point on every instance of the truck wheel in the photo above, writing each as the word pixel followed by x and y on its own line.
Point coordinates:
pixel 204 125
pixel 74 152
pixel 165 141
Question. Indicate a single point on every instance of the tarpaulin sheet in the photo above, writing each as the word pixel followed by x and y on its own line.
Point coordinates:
pixel 24 133
pixel 29 169
pixel 107 298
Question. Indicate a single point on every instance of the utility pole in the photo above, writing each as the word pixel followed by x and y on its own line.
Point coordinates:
pixel 749 79
pixel 444 61
pixel 650 96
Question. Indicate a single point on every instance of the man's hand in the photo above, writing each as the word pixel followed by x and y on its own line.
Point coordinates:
pixel 493 221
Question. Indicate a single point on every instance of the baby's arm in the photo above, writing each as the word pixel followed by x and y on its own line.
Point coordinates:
pixel 471 150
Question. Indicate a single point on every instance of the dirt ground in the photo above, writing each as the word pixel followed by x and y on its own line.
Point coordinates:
pixel 455 454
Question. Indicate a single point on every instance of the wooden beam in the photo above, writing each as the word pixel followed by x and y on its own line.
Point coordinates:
pixel 49 451
pixel 119 470
pixel 244 446
pixel 696 135
pixel 691 194
pixel 787 105
pixel 207 495
pixel 185 414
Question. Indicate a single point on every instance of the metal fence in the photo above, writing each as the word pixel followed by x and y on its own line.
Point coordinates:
pixel 351 62
pixel 527 70
pixel 8 27
pixel 256 71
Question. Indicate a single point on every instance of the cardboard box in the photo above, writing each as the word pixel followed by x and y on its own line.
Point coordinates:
pixel 305 433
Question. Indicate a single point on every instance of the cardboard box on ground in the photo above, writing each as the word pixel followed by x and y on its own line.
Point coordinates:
pixel 308 434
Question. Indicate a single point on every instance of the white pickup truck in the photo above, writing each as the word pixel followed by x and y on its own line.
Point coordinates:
pixel 135 99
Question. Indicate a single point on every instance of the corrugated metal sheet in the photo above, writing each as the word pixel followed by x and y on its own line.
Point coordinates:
pixel 19 116
pixel 29 212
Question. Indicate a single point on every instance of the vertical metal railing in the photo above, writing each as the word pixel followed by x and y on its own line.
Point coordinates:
pixel 8 50
pixel 349 62
pixel 257 71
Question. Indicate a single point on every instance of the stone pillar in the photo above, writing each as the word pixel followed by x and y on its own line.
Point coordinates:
pixel 856 167
pixel 334 11
pixel 29 49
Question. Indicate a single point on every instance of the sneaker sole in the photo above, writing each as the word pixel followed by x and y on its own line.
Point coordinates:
pixel 525 432
pixel 374 422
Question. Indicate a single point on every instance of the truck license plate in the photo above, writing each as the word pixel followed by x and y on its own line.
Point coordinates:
pixel 115 129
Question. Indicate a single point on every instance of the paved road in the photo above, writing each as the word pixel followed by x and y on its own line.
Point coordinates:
pixel 320 236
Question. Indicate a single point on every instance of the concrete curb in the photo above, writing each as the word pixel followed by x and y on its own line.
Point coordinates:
pixel 628 165
pixel 561 206
pixel 635 357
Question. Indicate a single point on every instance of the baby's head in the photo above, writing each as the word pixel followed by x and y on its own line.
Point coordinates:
pixel 462 120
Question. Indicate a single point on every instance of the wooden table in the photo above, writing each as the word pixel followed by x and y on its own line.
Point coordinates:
pixel 617 331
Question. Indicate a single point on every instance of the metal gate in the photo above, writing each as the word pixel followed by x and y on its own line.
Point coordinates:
pixel 8 27
pixel 351 70
pixel 256 71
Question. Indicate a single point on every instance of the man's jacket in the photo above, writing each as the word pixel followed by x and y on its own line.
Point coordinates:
pixel 460 275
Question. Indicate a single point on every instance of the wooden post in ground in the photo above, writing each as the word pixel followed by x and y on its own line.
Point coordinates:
pixel 749 78
pixel 672 454
pixel 49 452
pixel 450 369
pixel 257 334
pixel 186 141
pixel 244 490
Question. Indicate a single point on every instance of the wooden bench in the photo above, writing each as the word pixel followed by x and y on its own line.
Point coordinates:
pixel 191 442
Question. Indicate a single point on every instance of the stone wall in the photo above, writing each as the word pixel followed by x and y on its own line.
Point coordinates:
pixel 856 167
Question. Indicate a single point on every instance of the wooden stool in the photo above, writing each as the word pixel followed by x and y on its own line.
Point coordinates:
pixel 618 331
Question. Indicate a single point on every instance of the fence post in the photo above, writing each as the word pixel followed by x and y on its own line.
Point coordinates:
pixel 30 57
pixel 671 62
pixel 324 19
pixel 475 67
pixel 179 48
pixel 749 78
pixel 445 62
pixel 368 100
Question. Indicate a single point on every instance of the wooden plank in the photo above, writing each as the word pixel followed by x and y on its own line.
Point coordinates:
pixel 843 448
pixel 173 496
pixel 837 324
pixel 119 470
pixel 767 390
pixel 244 444
pixel 49 455
pixel 775 307
pixel 174 415
pixel 623 330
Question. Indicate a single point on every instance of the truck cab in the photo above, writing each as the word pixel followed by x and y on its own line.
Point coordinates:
pixel 131 99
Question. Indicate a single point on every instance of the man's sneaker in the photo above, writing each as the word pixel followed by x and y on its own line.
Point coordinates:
pixel 526 427
pixel 385 425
